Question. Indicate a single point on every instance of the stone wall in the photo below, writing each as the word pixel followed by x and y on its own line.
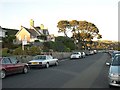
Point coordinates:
pixel 59 55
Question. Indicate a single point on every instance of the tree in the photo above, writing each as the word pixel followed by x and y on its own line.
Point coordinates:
pixel 61 44
pixel 63 25
pixel 9 40
pixel 68 42
pixel 83 32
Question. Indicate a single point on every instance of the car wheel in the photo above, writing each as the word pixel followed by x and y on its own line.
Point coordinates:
pixel 25 69
pixel 47 65
pixel 2 74
pixel 79 56
pixel 110 86
pixel 56 63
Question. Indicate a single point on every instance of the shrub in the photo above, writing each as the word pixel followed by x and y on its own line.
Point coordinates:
pixel 18 51
pixel 5 52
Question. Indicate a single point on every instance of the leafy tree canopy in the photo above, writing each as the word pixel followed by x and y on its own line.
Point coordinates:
pixel 82 31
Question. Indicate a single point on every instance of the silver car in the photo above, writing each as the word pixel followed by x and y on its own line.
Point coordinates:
pixel 76 55
pixel 114 71
pixel 43 61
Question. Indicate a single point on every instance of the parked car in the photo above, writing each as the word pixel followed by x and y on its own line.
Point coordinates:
pixel 91 52
pixel 76 55
pixel 114 53
pixel 43 61
pixel 83 54
pixel 10 66
pixel 114 71
pixel 95 51
pixel 87 53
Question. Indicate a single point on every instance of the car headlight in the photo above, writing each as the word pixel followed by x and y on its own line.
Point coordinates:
pixel 114 75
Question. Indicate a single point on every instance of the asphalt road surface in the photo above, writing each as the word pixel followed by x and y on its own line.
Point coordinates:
pixel 89 72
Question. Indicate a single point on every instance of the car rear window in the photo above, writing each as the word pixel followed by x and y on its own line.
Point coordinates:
pixel 40 57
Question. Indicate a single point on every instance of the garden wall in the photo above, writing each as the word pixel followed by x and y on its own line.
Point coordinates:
pixel 59 55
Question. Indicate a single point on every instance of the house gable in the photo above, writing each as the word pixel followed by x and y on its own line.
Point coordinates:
pixel 23 34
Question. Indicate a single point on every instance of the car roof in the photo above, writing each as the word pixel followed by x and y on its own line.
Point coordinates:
pixel 117 54
pixel 76 52
pixel 116 51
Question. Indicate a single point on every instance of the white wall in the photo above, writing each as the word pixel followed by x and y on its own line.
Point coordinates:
pixel 2 32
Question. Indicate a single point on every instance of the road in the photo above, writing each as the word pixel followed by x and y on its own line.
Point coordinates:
pixel 89 72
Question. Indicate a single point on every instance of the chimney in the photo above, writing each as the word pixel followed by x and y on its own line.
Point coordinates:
pixel 31 23
pixel 42 26
pixel 21 27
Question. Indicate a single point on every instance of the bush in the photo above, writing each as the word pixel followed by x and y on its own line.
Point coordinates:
pixel 5 52
pixel 34 50
pixel 18 51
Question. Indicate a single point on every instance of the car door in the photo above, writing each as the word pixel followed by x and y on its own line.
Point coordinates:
pixel 52 60
pixel 8 66
pixel 49 60
pixel 17 65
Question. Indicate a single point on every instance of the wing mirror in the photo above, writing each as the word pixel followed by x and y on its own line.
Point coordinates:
pixel 17 61
pixel 53 57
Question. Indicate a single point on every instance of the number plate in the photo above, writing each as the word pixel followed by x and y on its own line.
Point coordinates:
pixel 35 63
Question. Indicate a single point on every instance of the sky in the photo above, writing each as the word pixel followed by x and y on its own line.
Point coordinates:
pixel 103 13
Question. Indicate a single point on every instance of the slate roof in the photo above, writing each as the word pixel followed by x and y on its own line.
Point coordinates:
pixel 37 28
pixel 10 31
pixel 40 32
pixel 45 31
pixel 32 32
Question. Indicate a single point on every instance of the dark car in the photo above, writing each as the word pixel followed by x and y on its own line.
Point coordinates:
pixel 10 66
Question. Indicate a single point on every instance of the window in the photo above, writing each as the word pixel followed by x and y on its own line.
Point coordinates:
pixel 40 57
pixel 13 60
pixel 6 61
pixel 49 57
pixel 25 37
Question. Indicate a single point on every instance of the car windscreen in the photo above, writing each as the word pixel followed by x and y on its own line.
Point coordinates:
pixel 116 61
pixel 39 58
pixel 115 54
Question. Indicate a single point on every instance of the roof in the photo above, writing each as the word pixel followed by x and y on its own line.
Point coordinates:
pixel 32 32
pixel 37 28
pixel 36 31
pixel 10 31
pixel 45 31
